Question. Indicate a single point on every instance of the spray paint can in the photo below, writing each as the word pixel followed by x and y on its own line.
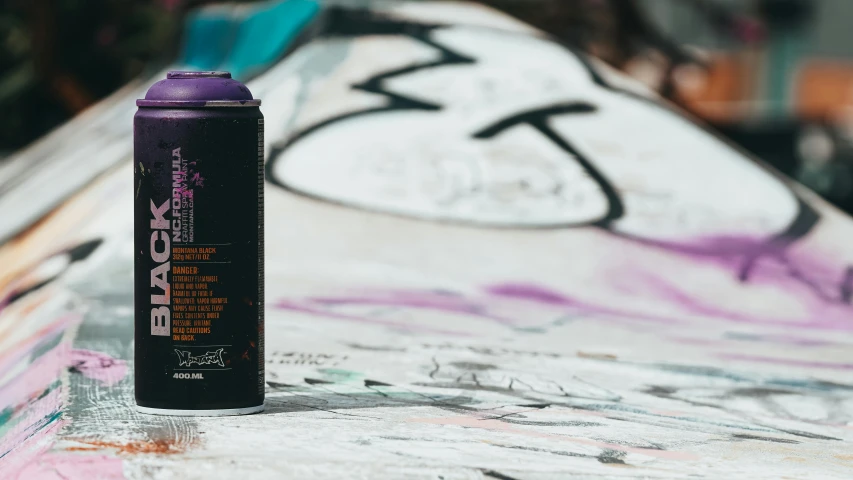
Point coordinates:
pixel 199 247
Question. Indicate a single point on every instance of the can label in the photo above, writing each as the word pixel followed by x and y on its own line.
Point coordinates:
pixel 199 269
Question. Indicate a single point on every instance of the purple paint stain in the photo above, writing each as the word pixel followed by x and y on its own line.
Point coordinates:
pixel 506 297
pixel 531 293
pixel 824 288
pixel 98 366
pixel 822 314
pixel 677 297
pixel 726 247
pixel 768 262
pixel 777 262
pixel 418 299
pixel 194 177
pixel 544 296
pixel 404 299
pixel 197 180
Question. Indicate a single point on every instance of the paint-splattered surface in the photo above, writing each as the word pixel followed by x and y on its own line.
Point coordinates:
pixel 486 258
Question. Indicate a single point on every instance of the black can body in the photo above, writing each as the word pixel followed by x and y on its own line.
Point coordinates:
pixel 199 275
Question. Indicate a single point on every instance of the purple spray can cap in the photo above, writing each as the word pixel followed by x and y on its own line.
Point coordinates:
pixel 198 90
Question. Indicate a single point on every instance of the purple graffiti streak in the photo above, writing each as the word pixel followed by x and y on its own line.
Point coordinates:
pixel 821 315
pixel 823 292
pixel 526 305
pixel 194 178
pixel 546 297
pixel 775 262
pixel 512 300
pixel 442 301
pixel 197 180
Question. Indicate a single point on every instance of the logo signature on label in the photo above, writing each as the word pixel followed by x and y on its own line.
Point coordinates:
pixel 187 359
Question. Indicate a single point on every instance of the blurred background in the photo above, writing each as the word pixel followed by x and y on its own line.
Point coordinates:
pixel 775 76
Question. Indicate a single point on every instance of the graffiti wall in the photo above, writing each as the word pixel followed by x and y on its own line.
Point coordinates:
pixel 488 256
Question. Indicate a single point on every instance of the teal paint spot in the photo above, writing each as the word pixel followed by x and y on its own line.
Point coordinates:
pixel 44 422
pixel 10 423
pixel 265 35
pixel 786 50
pixel 248 42
pixel 50 419
pixel 209 34
pixel 6 415
pixel 56 384
pixel 815 385
pixel 531 330
pixel 340 376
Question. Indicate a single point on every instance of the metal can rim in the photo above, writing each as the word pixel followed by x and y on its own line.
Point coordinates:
pixel 197 103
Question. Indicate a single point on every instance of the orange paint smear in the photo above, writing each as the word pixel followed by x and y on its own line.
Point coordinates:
pixel 154 446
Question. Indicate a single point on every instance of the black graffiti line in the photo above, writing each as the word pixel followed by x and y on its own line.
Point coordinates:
pixel 447 57
pixel 807 217
pixel 397 102
pixel 646 418
pixel 320 386
pixel 473 377
pixel 804 222
pixel 375 85
pixel 322 409
pixel 75 254
pixel 499 417
pixel 422 395
pixel 842 292
pixel 538 119
pixel 437 367
pixel 542 450
pixel 369 387
pixel 754 424
pixel 438 403
pixel 534 116
pixel 614 397
pixel 497 475
pixel 846 289
pixel 358 24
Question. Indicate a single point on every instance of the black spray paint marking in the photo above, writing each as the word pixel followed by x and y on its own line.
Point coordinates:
pixel 78 253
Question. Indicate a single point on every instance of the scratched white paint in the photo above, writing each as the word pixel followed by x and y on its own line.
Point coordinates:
pixel 400 347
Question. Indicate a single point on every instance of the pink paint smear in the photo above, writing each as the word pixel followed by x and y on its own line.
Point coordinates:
pixel 98 366
pixel 64 466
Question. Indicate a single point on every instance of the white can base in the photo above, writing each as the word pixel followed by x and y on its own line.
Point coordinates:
pixel 200 413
